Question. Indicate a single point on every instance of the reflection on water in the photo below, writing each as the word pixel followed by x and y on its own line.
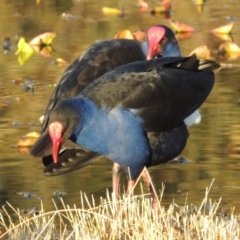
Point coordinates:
pixel 213 146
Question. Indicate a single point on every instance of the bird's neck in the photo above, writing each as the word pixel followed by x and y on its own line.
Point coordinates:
pixel 144 48
pixel 171 50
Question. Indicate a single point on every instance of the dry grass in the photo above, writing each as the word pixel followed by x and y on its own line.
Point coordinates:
pixel 128 218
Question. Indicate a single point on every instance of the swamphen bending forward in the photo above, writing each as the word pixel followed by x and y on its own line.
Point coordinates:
pixel 115 115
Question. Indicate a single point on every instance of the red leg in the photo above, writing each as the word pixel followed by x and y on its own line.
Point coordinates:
pixel 150 187
pixel 130 186
pixel 116 175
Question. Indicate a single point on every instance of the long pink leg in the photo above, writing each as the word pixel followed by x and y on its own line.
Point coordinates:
pixel 130 186
pixel 149 185
pixel 116 175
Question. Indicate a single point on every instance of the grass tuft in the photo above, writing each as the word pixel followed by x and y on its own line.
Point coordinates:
pixel 127 218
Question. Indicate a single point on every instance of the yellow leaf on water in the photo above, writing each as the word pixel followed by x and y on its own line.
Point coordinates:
pixel 25 51
pixel 108 10
pixel 126 34
pixel 41 119
pixel 228 51
pixel 139 35
pixel 228 56
pixel 23 57
pixel 223 29
pixel 38 1
pixel 225 37
pixel 23 46
pixel 202 52
pixel 32 135
pixel 181 27
pixel 229 47
pixel 26 142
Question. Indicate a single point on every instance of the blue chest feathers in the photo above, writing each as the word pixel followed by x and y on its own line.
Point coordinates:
pixel 115 133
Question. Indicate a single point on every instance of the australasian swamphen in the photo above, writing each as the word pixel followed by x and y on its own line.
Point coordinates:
pixel 113 115
pixel 95 61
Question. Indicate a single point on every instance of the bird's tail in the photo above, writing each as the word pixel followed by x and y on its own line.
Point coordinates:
pixel 192 63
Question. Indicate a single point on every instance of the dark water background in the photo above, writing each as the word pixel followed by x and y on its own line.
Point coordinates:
pixel 213 146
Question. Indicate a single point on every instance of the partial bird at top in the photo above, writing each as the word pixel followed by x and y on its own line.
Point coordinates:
pixel 92 64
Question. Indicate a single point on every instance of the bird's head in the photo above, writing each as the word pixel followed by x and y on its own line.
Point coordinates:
pixel 63 120
pixel 162 41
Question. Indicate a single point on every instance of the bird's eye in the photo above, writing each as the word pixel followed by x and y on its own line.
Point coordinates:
pixel 164 39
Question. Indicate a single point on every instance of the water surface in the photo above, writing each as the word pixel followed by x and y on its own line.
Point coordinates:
pixel 213 146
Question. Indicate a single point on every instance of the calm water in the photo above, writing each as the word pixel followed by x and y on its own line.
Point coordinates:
pixel 213 146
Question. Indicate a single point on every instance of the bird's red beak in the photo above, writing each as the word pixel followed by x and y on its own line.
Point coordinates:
pixel 155 36
pixel 55 132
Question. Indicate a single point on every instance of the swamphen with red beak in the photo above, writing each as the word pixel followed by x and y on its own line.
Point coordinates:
pixel 95 61
pixel 113 115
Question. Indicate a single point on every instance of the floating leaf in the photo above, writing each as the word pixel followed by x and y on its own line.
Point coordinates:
pixel 25 51
pixel 199 4
pixel 225 37
pixel 165 15
pixel 32 135
pixel 26 142
pixel 26 194
pixel 159 10
pixel 228 56
pixel 229 47
pixel 223 29
pixel 139 35
pixel 43 39
pixel 46 51
pixel 183 35
pixel 228 51
pixel 181 27
pixel 38 1
pixel 126 34
pixel 41 119
pixel 114 11
pixel 59 194
pixel 69 16
pixel 165 6
pixel 23 46
pixel 202 52
pixel 143 6
pixel 17 81
pixel 23 150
